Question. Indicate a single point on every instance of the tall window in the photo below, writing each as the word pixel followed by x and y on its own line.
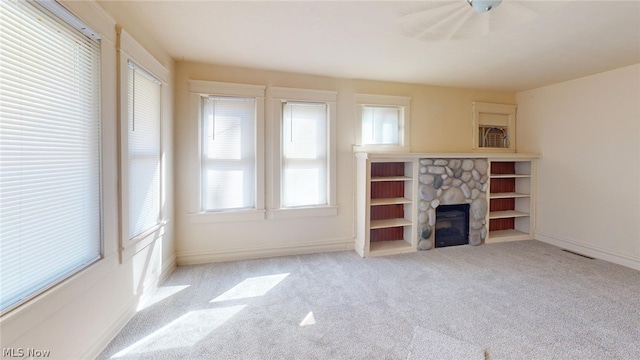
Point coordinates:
pixel 228 153
pixel 143 124
pixel 50 212
pixel 304 154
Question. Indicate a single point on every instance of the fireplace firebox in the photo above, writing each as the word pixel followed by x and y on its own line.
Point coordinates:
pixel 452 225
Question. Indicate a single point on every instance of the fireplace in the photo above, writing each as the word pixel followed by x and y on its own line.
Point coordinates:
pixel 452 225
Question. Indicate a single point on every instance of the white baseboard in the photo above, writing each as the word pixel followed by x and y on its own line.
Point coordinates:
pixel 209 256
pixel 167 268
pixel 124 315
pixel 589 250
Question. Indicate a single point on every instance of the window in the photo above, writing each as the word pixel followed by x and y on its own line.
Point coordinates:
pixel 50 188
pixel 142 79
pixel 228 153
pixel 380 125
pixel 231 145
pixel 384 123
pixel 143 128
pixel 304 152
pixel 494 127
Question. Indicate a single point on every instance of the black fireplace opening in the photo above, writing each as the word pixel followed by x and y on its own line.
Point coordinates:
pixel 452 225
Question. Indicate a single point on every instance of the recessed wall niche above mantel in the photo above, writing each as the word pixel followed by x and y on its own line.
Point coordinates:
pixel 398 195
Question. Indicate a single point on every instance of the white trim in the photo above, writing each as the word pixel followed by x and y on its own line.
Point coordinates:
pixel 129 49
pixel 278 95
pixel 229 89
pixel 501 109
pixel 404 122
pixel 240 253
pixel 303 212
pixel 198 89
pixel 168 268
pixel 589 250
pixel 127 44
pixel 227 216
pixel 283 93
pixel 141 241
pixel 93 15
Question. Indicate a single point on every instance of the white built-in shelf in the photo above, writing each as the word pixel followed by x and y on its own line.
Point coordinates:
pixel 390 201
pixel 380 248
pixel 388 223
pixel 507 195
pixel 506 214
pixel 509 176
pixel 390 178
pixel 503 235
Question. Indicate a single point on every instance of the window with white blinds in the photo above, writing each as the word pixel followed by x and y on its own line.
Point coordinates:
pixel 228 153
pixel 50 190
pixel 144 96
pixel 380 125
pixel 304 154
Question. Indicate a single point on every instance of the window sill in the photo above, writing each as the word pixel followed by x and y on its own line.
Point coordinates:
pixel 381 148
pixel 139 242
pixel 303 212
pixel 227 216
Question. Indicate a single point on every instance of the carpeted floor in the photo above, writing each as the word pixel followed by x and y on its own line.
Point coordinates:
pixel 519 300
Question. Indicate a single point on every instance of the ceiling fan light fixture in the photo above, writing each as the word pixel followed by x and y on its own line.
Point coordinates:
pixel 483 5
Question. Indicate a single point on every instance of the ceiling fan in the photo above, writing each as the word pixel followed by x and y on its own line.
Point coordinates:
pixel 463 19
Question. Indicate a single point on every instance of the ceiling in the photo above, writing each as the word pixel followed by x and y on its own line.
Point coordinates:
pixel 516 46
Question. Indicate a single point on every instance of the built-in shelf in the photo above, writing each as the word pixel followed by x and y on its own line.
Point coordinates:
pixel 508 234
pixel 510 200
pixel 507 195
pixel 390 178
pixel 389 247
pixel 390 201
pixel 386 214
pixel 387 223
pixel 506 214
pixel 509 176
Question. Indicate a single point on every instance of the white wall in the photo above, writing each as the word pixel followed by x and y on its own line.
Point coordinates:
pixel 77 318
pixel 588 131
pixel 441 120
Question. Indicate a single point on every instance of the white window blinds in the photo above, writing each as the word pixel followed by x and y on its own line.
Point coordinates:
pixel 228 153
pixel 304 154
pixel 380 125
pixel 50 218
pixel 144 95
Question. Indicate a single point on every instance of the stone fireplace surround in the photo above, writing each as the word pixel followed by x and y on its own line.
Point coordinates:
pixel 451 182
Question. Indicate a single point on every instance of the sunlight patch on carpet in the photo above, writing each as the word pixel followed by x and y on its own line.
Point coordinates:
pixel 308 320
pixel 184 331
pixel 251 287
pixel 160 294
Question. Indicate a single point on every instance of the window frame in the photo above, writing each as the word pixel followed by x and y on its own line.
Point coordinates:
pixel 278 96
pixel 403 103
pixel 507 110
pixel 197 90
pixel 128 49
pixel 65 17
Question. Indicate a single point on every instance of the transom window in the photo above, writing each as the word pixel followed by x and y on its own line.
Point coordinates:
pixel 383 123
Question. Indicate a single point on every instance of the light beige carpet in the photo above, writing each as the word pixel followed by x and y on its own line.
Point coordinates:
pixel 432 345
